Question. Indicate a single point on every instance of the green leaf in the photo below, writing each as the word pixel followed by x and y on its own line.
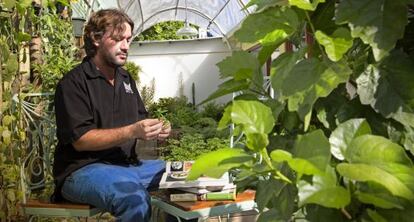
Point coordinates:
pixel 23 37
pixel 253 116
pixel 216 163
pixel 314 147
pixel 258 26
pixel 389 89
pixel 323 191
pixel 12 65
pixel 256 141
pixel 317 80
pixel 377 200
pixel 280 155
pixel 306 4
pixel 272 215
pixel 240 65
pixel 264 4
pixel 364 172
pixel 266 190
pixel 7 120
pixel 303 166
pixel 9 4
pixel 342 136
pixel 230 86
pixel 225 119
pixel 308 71
pixel 376 217
pixel 337 45
pixel 270 43
pixel 282 67
pixel 372 149
pixel 378 23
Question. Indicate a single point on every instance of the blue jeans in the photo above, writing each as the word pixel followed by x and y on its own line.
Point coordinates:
pixel 121 190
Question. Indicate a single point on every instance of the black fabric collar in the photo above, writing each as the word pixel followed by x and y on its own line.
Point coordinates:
pixel 92 71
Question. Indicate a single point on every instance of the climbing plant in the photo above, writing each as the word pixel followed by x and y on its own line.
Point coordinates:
pixel 21 22
pixel 335 141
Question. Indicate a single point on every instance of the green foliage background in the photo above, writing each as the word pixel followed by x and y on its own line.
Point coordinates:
pixel 335 141
pixel 163 31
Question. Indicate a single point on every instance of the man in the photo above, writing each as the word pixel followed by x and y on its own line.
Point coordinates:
pixel 99 116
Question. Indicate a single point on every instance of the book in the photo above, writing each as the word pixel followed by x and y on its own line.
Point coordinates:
pixel 177 171
pixel 178 197
pixel 202 190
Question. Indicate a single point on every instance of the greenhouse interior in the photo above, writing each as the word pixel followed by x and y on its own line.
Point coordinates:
pixel 221 110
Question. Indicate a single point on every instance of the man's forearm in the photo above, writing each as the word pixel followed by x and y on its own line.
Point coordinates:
pixel 100 139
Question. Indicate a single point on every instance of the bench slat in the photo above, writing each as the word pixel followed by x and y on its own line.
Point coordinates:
pixel 46 204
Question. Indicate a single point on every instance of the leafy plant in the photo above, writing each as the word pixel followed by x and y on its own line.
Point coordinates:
pixel 163 31
pixel 335 142
pixel 190 146
pixel 133 69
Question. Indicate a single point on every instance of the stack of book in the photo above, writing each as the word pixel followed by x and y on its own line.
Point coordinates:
pixel 204 188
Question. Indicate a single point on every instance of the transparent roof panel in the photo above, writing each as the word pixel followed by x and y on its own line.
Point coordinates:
pixel 220 16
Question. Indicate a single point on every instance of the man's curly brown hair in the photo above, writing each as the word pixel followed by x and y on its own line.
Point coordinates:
pixel 102 21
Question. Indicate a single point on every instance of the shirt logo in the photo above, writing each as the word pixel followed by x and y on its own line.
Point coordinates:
pixel 128 88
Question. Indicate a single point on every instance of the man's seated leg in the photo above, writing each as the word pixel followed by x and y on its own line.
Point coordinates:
pixel 114 188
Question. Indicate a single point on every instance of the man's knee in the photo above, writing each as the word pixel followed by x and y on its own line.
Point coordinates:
pixel 133 207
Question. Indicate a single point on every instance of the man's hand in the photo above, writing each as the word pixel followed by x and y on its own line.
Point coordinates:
pixel 165 132
pixel 147 129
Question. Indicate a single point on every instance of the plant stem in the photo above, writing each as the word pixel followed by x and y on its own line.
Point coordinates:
pixel 346 213
pixel 268 161
pixel 313 31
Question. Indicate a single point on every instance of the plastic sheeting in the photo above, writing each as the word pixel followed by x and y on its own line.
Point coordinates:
pixel 218 17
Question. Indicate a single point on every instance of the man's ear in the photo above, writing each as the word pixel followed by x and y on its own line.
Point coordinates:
pixel 96 39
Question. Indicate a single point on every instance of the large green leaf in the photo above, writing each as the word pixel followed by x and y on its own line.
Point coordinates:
pixel 270 43
pixel 264 4
pixel 9 4
pixel 372 149
pixel 304 74
pixel 314 147
pixel 337 45
pixel 377 200
pixel 375 216
pixel 379 23
pixel 256 141
pixel 257 26
pixel 323 191
pixel 266 190
pixel 272 215
pixel 317 79
pixel 343 135
pixel 240 65
pixel 253 116
pixel 230 86
pixel 389 92
pixel 364 172
pixel 282 66
pixel 225 119
pixel 216 163
pixel 306 4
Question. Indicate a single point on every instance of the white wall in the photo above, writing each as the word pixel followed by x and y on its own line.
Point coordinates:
pixel 191 60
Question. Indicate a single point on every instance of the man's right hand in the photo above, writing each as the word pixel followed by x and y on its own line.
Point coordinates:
pixel 147 129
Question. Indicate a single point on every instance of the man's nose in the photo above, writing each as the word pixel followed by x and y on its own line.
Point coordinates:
pixel 125 45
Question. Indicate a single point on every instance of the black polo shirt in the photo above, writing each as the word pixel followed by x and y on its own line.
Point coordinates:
pixel 85 100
